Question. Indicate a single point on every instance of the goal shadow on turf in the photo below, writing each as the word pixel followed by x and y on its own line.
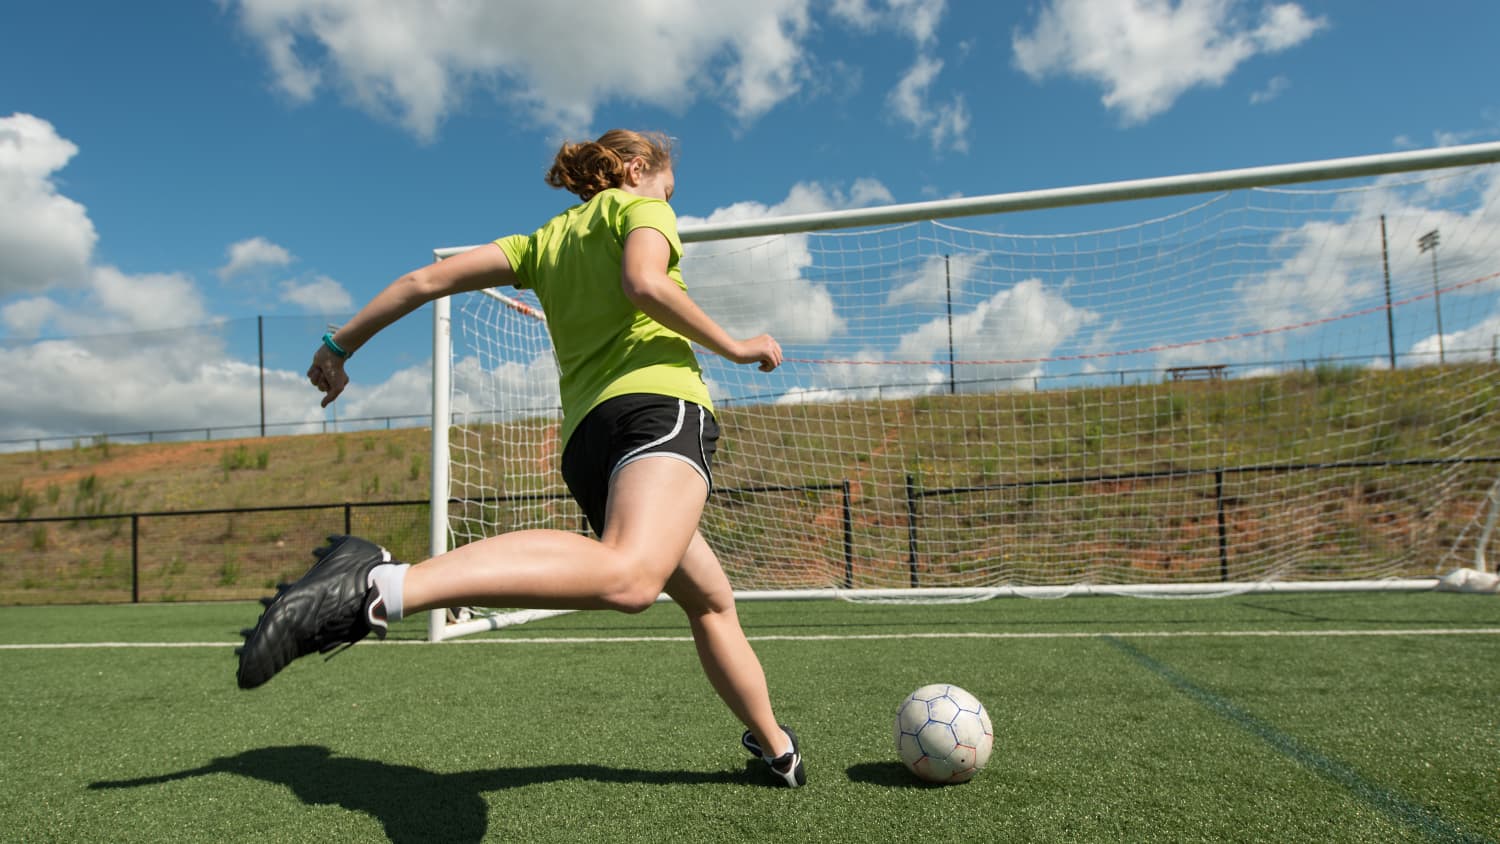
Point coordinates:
pixel 412 804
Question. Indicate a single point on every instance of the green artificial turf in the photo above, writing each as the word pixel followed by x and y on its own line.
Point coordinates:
pixel 1318 718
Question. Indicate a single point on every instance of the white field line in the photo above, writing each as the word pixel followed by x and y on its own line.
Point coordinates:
pixel 830 637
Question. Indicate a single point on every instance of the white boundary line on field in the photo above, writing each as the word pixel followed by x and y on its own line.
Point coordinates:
pixel 824 637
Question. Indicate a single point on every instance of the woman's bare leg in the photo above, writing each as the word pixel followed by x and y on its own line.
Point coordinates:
pixel 700 587
pixel 654 506
pixel 650 543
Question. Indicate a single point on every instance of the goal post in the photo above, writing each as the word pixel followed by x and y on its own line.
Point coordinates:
pixel 1275 378
pixel 442 416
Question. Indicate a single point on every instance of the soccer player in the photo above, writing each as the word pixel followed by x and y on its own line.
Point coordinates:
pixel 638 432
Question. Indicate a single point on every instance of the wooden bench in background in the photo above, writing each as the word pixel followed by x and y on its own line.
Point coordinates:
pixel 1209 372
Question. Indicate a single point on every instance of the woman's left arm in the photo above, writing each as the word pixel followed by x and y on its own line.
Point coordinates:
pixel 477 269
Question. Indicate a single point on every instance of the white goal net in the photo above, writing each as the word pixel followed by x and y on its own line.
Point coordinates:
pixel 1196 384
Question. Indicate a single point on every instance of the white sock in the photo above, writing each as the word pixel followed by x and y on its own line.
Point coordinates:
pixel 389 579
pixel 770 759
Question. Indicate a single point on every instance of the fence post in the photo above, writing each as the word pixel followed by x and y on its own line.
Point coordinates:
pixel 348 519
pixel 1223 525
pixel 848 541
pixel 135 558
pixel 911 528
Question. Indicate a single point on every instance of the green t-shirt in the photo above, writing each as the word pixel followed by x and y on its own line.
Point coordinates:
pixel 605 346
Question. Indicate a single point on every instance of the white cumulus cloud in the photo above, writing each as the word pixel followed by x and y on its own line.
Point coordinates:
pixel 757 285
pixel 254 253
pixel 321 295
pixel 137 351
pixel 46 239
pixel 1147 53
pixel 946 123
pixel 1006 336
pixel 415 63
pixel 1274 88
pixel 936 280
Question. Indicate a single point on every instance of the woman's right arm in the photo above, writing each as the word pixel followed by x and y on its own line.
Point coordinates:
pixel 644 279
pixel 477 269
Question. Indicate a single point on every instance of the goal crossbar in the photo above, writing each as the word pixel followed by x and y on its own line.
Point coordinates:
pixel 1352 167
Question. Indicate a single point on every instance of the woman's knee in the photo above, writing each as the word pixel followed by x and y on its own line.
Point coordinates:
pixel 632 601
pixel 708 605
pixel 632 587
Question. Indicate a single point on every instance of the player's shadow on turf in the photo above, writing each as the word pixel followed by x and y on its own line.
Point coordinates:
pixel 412 804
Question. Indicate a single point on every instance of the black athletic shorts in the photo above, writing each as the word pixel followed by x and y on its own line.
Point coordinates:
pixel 627 428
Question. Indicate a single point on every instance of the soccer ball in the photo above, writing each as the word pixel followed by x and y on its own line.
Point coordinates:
pixel 943 733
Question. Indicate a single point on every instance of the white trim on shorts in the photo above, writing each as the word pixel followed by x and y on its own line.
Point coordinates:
pixel 699 466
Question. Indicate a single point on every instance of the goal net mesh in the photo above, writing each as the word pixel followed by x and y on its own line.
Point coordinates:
pixel 1285 384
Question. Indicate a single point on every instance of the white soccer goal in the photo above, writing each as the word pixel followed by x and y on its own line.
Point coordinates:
pixel 1277 378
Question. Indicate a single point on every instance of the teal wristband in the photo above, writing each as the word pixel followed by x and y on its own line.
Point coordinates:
pixel 334 347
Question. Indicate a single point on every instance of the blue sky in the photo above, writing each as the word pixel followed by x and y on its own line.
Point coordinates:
pixel 167 165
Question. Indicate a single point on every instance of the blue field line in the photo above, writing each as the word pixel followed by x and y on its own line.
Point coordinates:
pixel 1429 822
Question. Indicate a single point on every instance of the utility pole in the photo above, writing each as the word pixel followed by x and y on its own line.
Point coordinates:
pixel 948 289
pixel 1429 243
pixel 1390 320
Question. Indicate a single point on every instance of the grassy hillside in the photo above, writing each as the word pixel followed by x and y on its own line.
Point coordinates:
pixel 107 478
pixel 1063 479
pixel 199 557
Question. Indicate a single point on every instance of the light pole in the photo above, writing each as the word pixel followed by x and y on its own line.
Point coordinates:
pixel 1429 243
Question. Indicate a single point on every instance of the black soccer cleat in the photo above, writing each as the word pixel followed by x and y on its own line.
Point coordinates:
pixel 332 605
pixel 786 769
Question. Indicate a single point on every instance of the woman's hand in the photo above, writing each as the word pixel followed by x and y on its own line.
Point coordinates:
pixel 327 374
pixel 763 350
